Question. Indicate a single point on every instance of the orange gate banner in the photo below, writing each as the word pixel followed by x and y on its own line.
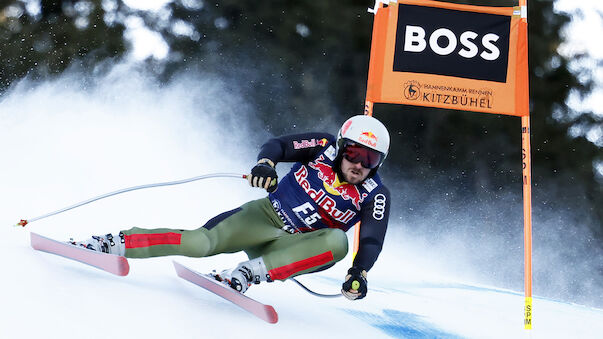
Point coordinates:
pixel 438 54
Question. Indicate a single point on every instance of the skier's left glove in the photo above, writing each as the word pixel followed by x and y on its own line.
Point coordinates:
pixel 263 175
pixel 354 286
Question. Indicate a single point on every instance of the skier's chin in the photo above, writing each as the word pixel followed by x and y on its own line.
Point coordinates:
pixel 353 177
pixel 353 173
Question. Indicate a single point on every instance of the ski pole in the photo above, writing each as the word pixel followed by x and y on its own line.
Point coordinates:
pixel 316 293
pixel 24 222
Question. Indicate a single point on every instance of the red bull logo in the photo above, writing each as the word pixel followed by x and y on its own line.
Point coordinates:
pixel 322 198
pixel 309 143
pixel 328 176
pixel 368 138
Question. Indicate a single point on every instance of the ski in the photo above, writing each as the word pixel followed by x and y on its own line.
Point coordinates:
pixel 107 262
pixel 262 311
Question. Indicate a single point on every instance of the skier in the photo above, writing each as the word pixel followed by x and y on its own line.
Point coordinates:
pixel 300 227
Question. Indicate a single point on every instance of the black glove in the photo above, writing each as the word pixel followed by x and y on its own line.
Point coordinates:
pixel 354 286
pixel 263 175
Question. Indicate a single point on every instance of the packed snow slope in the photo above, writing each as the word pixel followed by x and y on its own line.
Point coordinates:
pixel 68 140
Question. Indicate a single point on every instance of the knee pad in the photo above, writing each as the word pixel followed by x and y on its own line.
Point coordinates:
pixel 195 244
pixel 337 242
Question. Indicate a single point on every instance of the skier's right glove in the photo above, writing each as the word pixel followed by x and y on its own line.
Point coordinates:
pixel 354 286
pixel 263 175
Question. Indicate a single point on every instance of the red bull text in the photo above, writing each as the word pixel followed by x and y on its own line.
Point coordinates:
pixel 322 198
pixel 309 143
pixel 368 138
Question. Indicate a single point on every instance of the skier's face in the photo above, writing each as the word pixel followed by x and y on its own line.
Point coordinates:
pixel 353 173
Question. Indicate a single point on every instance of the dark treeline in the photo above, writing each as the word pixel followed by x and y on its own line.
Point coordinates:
pixel 304 64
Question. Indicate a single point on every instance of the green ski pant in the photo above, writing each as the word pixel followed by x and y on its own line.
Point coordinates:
pixel 254 228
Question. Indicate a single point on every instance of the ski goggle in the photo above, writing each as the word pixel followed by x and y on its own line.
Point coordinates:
pixel 367 157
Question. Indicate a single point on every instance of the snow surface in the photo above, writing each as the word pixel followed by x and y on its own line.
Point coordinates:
pixel 68 140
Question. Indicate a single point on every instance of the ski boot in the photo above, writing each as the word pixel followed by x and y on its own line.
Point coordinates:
pixel 241 277
pixel 104 243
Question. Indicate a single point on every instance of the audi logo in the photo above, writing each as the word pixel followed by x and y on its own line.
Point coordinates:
pixel 379 206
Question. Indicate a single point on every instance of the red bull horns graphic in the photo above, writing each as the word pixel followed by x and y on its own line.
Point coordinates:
pixel 322 198
pixel 328 176
pixel 368 138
